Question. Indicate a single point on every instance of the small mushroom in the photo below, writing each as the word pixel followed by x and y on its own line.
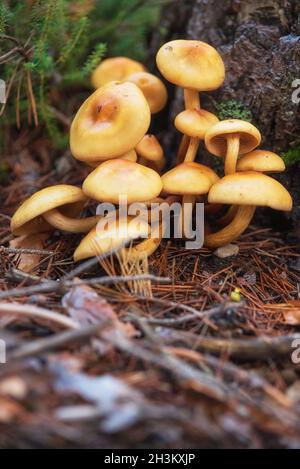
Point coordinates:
pixel 52 207
pixel 262 161
pixel 151 152
pixel 189 180
pixel 153 89
pixel 231 138
pixel 194 66
pixel 116 178
pixel 258 160
pixel 109 123
pixel 118 233
pixel 115 69
pixel 246 190
pixel 195 122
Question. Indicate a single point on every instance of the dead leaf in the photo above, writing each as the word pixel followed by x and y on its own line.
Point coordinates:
pixel 85 306
pixel 118 405
pixel 29 262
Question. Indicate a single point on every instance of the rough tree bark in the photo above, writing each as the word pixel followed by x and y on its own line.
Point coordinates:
pixel 260 44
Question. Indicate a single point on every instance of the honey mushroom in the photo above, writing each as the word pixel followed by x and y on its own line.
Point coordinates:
pixel 115 69
pixel 153 89
pixel 263 161
pixel 247 190
pixel 231 138
pixel 150 152
pixel 119 233
pixel 189 180
pixel 258 160
pixel 195 66
pixel 51 208
pixel 110 123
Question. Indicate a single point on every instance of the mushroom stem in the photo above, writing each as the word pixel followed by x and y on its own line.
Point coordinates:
pixel 192 150
pixel 188 202
pixel 191 99
pixel 184 144
pixel 72 225
pixel 232 231
pixel 229 216
pixel 233 149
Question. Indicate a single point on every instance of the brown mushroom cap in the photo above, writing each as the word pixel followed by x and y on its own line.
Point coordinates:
pixel 189 179
pixel 216 136
pixel 109 123
pixel 116 178
pixel 195 122
pixel 191 64
pixel 153 89
pixel 28 218
pixel 150 148
pixel 250 188
pixel 115 69
pixel 99 242
pixel 261 160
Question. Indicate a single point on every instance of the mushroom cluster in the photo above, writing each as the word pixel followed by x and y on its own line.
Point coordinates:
pixel 110 135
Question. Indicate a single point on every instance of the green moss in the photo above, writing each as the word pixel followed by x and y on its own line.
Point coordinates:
pixel 233 109
pixel 292 156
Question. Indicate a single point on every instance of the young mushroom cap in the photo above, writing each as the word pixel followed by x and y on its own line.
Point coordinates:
pixel 195 122
pixel 261 160
pixel 117 234
pixel 189 179
pixel 116 178
pixel 216 137
pixel 115 69
pixel 150 148
pixel 250 188
pixel 28 218
pixel 153 89
pixel 109 123
pixel 191 64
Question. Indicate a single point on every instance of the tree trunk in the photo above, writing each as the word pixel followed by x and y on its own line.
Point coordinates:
pixel 259 41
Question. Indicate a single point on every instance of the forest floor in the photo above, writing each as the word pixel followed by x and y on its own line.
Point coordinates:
pixel 171 362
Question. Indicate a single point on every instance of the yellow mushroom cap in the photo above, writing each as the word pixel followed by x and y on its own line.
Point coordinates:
pixel 195 122
pixel 150 148
pixel 28 218
pixel 191 64
pixel 250 188
pixel 115 69
pixel 116 178
pixel 189 179
pixel 261 160
pixel 216 136
pixel 109 123
pixel 153 89
pixel 114 236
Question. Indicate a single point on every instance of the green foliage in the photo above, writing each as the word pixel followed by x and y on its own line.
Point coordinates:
pixel 233 109
pixel 292 156
pixel 60 42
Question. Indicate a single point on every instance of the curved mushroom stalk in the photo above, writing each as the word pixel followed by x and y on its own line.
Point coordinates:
pixel 229 216
pixel 232 231
pixel 73 225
